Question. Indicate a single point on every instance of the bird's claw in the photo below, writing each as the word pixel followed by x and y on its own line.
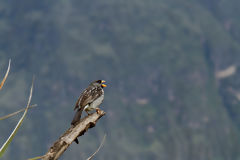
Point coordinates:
pixel 98 110
pixel 87 113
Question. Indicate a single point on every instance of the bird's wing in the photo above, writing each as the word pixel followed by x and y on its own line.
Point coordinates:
pixel 88 96
pixel 91 95
pixel 78 103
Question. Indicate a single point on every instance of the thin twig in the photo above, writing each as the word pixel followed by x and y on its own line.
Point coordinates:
pixel 103 140
pixel 14 113
pixel 6 74
pixel 36 158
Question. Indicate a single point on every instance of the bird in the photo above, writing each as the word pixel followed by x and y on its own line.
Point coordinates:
pixel 89 99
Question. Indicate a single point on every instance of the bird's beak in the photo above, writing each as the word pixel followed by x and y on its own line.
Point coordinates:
pixel 103 85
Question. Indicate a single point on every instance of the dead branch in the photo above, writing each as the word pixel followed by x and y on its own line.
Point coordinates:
pixel 71 134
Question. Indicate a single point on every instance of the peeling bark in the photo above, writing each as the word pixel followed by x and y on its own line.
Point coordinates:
pixel 58 148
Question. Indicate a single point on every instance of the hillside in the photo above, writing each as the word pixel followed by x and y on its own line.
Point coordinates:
pixel 164 100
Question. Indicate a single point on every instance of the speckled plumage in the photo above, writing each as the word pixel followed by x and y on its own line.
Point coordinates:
pixel 89 95
pixel 89 100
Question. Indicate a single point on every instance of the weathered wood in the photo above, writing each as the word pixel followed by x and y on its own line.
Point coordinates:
pixel 71 134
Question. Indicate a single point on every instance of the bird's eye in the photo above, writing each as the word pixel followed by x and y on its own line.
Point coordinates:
pixel 99 81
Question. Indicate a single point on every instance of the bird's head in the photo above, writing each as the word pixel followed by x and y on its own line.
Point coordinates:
pixel 99 83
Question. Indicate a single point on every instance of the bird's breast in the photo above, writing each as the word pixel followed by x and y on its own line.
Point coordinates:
pixel 97 102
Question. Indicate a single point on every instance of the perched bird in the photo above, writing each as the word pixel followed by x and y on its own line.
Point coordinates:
pixel 90 99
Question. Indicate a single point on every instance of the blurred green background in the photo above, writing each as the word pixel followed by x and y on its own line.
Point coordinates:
pixel 172 70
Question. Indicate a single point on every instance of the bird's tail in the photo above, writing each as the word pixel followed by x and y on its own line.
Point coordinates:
pixel 77 116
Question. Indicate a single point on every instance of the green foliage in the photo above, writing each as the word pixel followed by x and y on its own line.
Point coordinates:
pixel 159 59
